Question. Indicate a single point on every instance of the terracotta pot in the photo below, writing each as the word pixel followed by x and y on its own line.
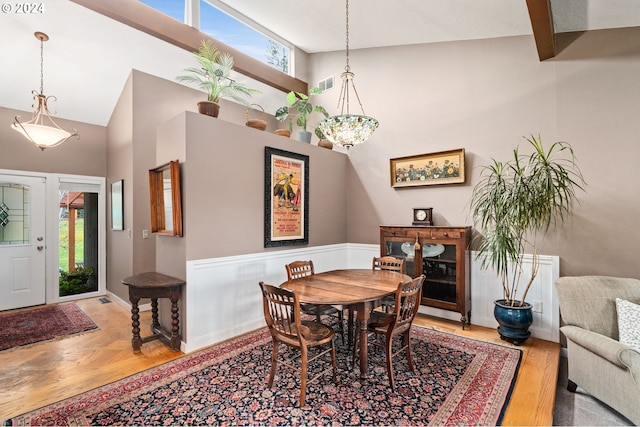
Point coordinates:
pixel 325 143
pixel 283 132
pixel 209 108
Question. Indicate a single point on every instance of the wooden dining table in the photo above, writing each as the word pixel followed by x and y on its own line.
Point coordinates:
pixel 361 290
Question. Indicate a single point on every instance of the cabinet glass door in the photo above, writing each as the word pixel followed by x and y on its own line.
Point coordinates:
pixel 402 249
pixel 439 267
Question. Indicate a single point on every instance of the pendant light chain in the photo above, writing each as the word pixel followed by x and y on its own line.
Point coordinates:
pixel 347 67
pixel 348 129
pixel 41 66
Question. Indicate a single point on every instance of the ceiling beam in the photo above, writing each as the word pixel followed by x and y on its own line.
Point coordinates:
pixel 542 25
pixel 153 22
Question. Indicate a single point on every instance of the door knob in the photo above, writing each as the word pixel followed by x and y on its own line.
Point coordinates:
pixel 40 248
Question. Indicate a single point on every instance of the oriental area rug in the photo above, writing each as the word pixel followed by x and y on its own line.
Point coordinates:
pixel 458 381
pixel 24 327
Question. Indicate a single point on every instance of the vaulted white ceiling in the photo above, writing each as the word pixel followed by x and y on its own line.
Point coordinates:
pixel 89 56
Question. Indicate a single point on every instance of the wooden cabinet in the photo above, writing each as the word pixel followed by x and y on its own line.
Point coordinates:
pixel 441 253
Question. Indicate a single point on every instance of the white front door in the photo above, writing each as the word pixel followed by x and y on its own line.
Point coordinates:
pixel 22 241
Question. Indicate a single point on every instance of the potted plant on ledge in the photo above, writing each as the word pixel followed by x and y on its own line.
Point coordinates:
pixel 213 76
pixel 300 102
pixel 512 203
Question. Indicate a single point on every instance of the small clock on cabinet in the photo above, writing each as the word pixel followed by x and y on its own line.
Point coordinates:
pixel 422 216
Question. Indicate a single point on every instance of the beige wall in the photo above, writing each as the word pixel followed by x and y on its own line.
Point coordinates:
pixel 224 188
pixel 484 96
pixel 83 156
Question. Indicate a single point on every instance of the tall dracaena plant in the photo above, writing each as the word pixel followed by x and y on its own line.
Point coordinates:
pixel 516 200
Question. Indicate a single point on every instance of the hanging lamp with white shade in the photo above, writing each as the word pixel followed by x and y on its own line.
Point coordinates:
pixel 35 130
pixel 348 129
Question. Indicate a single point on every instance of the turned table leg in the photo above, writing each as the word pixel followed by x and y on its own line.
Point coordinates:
pixel 136 341
pixel 175 322
pixel 155 323
pixel 363 319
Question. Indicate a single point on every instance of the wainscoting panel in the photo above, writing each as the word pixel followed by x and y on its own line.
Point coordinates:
pixel 222 294
pixel 223 298
pixel 486 288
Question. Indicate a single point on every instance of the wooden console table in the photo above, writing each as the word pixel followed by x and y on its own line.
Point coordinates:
pixel 154 285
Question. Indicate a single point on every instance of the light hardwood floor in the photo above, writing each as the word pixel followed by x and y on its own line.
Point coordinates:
pixel 44 373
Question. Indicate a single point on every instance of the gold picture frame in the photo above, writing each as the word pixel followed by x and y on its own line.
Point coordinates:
pixel 443 167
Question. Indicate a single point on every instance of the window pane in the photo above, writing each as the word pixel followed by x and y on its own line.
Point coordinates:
pixel 229 30
pixel 14 214
pixel 173 8
pixel 78 234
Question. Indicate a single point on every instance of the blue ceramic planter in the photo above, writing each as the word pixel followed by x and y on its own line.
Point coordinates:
pixel 513 322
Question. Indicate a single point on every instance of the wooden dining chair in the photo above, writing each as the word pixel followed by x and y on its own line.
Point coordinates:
pixel 279 304
pixel 391 264
pixel 384 327
pixel 299 269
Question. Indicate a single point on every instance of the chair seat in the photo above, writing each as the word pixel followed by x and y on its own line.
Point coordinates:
pixel 317 332
pixel 379 323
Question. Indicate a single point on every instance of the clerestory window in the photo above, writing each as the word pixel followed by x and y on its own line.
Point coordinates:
pixel 223 23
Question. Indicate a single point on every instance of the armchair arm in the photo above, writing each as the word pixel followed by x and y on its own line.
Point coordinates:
pixel 605 347
pixel 631 359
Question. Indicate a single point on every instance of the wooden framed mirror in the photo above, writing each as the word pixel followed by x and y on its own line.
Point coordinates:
pixel 166 204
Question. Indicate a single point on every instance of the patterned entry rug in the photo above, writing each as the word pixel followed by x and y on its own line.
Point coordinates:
pixel 458 381
pixel 19 328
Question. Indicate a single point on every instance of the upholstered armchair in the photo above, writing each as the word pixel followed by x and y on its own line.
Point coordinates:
pixel 598 362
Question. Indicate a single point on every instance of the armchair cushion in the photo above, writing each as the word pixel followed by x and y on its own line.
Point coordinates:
pixel 628 323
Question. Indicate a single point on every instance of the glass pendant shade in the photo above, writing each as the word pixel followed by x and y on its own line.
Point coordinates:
pixel 348 129
pixel 35 130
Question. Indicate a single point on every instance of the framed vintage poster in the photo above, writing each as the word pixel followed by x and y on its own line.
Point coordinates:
pixel 117 205
pixel 286 198
pixel 444 167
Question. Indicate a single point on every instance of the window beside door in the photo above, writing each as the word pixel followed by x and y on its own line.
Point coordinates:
pixel 78 247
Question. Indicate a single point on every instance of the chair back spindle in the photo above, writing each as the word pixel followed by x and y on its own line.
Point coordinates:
pixel 388 263
pixel 298 269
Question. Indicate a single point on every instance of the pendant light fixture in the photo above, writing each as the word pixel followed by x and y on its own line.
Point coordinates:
pixel 348 129
pixel 35 130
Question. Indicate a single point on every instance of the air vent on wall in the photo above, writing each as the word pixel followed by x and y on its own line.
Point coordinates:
pixel 326 84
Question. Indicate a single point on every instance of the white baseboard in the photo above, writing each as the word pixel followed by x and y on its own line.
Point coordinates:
pixel 127 304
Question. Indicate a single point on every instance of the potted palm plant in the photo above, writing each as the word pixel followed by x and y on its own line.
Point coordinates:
pixel 213 76
pixel 300 103
pixel 512 203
